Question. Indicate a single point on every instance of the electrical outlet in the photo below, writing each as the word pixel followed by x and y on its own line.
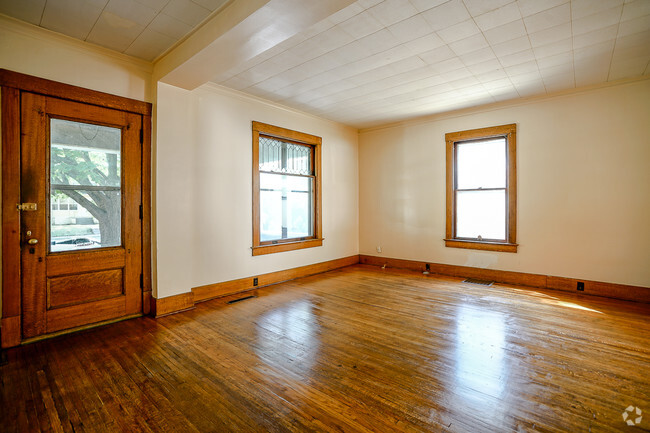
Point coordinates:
pixel 581 286
pixel 378 249
pixel 254 281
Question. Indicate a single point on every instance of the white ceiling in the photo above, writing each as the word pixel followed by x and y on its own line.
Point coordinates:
pixel 378 61
pixel 139 28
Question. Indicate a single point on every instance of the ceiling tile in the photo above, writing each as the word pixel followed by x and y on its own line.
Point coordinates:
pixel 531 7
pixel 478 56
pixel 378 42
pixel 156 5
pixel 553 34
pixel 505 32
pixel 186 11
pixel 595 37
pixel 498 17
pixel 551 49
pixel 529 77
pixel 448 65
pixel 410 29
pixel 597 21
pixel 424 44
pixel 361 25
pixel 71 17
pixel 459 31
pixel 423 5
pixel 517 58
pixel 496 74
pixel 114 32
pixel 548 18
pixel 26 10
pixel 169 26
pixel 447 14
pixel 484 67
pixel 390 12
pixel 478 7
pixel 468 45
pixel 522 68
pixel 149 45
pixel 437 55
pixel 555 60
pixel 635 9
pixel 211 5
pixel 636 25
pixel 131 10
pixel 511 47
pixel 627 68
pixel 583 8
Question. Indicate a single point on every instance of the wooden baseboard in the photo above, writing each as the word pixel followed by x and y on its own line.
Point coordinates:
pixel 172 304
pixel 10 332
pixel 230 289
pixel 210 291
pixel 593 288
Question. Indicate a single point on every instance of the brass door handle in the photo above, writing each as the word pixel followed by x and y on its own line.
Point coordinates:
pixel 32 241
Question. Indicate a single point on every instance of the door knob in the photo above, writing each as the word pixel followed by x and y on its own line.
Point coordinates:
pixel 32 241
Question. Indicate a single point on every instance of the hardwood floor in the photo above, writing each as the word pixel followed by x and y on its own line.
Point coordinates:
pixel 358 349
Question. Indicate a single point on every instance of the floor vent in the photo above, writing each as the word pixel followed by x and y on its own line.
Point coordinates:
pixel 241 299
pixel 479 282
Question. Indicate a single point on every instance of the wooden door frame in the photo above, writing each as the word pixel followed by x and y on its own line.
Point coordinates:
pixel 12 85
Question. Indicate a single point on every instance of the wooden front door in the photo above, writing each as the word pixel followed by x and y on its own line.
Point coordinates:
pixel 81 195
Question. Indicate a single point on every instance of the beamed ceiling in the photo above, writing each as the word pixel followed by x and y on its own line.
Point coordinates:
pixel 367 62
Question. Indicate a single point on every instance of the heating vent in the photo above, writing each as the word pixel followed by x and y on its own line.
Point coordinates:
pixel 479 282
pixel 241 299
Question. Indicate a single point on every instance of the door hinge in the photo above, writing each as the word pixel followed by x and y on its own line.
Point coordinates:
pixel 141 281
pixel 140 211
pixel 141 135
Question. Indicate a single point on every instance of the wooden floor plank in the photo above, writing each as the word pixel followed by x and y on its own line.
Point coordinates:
pixel 358 349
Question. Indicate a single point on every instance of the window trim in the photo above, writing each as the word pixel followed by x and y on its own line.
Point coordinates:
pixel 269 247
pixel 509 132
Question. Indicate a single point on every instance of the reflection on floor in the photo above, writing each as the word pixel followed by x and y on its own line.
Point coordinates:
pixel 359 349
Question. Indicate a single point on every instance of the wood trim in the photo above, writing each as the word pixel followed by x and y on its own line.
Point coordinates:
pixel 69 92
pixel 146 215
pixel 289 134
pixel 258 247
pixel 510 131
pixel 210 291
pixel 486 246
pixel 10 331
pixel 592 288
pixel 11 296
pixel 286 246
pixel 172 304
pixel 12 84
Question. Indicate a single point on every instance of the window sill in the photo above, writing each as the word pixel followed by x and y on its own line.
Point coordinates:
pixel 480 245
pixel 286 246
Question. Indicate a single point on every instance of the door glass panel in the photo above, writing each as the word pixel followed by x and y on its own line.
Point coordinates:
pixel 85 186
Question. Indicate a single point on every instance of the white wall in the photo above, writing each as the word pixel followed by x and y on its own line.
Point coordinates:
pixel 204 188
pixel 35 51
pixel 583 167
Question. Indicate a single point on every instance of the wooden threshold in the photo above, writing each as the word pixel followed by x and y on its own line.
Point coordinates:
pixel 591 288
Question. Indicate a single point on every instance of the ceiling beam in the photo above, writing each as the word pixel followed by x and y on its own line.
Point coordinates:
pixel 238 33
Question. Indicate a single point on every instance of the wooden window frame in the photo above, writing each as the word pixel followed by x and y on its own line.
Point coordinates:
pixel 278 246
pixel 509 132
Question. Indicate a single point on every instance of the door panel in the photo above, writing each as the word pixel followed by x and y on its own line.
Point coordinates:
pixel 80 164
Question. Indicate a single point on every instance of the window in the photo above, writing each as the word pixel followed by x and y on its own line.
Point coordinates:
pixel 481 189
pixel 286 190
